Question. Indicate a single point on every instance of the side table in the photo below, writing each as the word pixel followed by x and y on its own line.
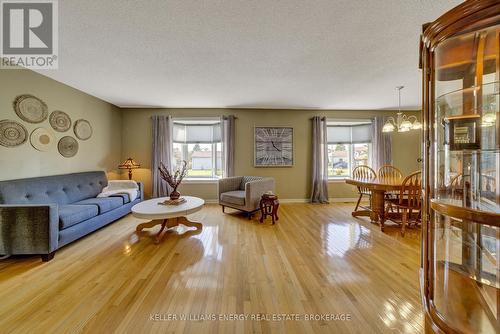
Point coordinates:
pixel 269 205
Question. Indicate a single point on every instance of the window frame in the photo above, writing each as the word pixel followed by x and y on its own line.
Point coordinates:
pixel 184 150
pixel 350 147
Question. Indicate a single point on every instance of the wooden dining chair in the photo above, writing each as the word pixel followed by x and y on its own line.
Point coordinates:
pixel 392 173
pixel 363 173
pixel 408 201
pixel 389 172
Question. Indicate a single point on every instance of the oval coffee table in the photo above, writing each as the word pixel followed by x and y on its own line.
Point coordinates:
pixel 167 215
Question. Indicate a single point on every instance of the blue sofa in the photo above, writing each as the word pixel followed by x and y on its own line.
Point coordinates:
pixel 40 215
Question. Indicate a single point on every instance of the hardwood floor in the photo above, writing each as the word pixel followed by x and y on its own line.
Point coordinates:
pixel 317 259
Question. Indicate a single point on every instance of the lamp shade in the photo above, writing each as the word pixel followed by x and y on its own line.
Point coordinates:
pixel 489 118
pixel 405 126
pixel 388 127
pixel 416 125
pixel 129 164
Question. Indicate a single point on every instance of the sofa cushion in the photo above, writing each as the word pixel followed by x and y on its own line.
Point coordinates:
pixel 236 197
pixel 125 197
pixel 247 179
pixel 104 204
pixel 70 215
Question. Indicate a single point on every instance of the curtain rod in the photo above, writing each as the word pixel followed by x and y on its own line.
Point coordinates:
pixel 348 125
pixel 364 119
pixel 194 117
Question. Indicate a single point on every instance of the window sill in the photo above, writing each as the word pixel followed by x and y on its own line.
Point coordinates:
pixel 200 180
pixel 338 180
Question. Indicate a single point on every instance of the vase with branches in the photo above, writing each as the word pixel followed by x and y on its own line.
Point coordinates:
pixel 175 179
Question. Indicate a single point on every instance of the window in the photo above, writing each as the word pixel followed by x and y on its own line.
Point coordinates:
pixel 198 141
pixel 349 146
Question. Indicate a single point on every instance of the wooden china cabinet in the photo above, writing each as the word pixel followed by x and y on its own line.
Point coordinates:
pixel 460 277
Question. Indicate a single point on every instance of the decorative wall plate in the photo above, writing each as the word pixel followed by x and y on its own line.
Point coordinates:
pixel 60 121
pixel 42 139
pixel 67 146
pixel 30 108
pixel 12 133
pixel 82 129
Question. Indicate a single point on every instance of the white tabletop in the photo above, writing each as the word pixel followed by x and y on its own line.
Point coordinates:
pixel 150 209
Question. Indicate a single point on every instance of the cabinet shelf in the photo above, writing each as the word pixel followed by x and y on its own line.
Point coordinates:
pixel 483 213
pixel 467 90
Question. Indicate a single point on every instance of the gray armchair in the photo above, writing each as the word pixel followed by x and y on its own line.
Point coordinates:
pixel 243 192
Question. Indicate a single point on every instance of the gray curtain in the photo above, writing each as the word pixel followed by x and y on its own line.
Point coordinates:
pixel 319 192
pixel 162 152
pixel 227 124
pixel 381 144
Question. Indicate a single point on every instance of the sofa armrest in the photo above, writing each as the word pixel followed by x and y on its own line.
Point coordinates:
pixel 229 184
pixel 29 229
pixel 254 191
pixel 141 189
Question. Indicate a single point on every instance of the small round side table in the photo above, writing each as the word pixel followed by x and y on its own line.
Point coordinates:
pixel 269 205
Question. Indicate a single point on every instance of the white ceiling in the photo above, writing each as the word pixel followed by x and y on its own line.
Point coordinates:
pixel 327 54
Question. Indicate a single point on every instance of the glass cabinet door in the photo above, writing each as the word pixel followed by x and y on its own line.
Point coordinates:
pixel 465 208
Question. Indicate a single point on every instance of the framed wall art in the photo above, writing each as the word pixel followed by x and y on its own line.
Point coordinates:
pixel 273 146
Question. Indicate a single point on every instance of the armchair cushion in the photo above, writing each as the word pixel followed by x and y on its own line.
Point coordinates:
pixel 236 197
pixel 246 179
pixel 229 184
pixel 70 215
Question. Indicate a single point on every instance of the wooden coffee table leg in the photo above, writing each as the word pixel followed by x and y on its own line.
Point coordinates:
pixel 186 222
pixel 167 224
pixel 150 224
pixel 158 235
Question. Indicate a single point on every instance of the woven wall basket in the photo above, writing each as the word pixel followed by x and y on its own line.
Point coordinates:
pixel 30 108
pixel 12 133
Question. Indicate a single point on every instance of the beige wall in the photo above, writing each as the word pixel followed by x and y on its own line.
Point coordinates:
pixel 120 133
pixel 101 152
pixel 291 183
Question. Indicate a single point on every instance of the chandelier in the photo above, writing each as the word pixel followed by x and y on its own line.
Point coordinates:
pixel 402 123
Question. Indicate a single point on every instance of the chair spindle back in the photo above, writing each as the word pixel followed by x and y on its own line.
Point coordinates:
pixel 363 173
pixel 389 172
pixel 411 190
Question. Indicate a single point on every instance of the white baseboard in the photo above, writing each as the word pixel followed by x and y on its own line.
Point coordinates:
pixel 284 200
pixel 331 200
pixel 301 200
pixel 294 200
pixel 211 201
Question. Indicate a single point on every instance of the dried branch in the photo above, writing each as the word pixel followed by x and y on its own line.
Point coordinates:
pixel 175 179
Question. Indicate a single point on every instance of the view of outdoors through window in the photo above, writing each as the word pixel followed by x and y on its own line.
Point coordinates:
pixel 203 160
pixel 343 158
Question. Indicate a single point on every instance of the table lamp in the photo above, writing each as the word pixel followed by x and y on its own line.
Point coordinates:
pixel 129 164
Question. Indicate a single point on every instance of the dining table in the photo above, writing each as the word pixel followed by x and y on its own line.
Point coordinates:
pixel 378 188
